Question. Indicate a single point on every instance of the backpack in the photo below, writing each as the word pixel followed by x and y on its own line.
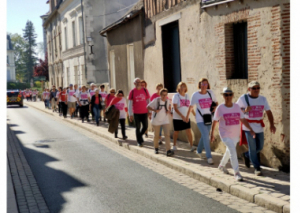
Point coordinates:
pixel 158 106
pixel 133 90
pixel 247 99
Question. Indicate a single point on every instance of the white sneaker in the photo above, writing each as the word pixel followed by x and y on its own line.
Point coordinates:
pixel 210 161
pixel 238 176
pixel 223 169
pixel 201 155
pixel 193 149
pixel 174 148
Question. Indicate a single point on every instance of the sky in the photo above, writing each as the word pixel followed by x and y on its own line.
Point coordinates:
pixel 19 11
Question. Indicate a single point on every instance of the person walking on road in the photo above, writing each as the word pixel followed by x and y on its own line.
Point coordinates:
pixel 161 109
pixel 63 96
pixel 253 105
pixel 229 116
pixel 120 103
pixel 53 98
pixel 103 93
pixel 137 107
pixel 46 96
pixel 153 96
pixel 92 91
pixel 206 103
pixel 83 101
pixel 181 116
pixel 144 85
pixel 71 100
pixel 95 105
pixel 59 101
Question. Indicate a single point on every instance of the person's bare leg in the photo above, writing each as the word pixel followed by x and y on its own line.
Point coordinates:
pixel 190 136
pixel 175 136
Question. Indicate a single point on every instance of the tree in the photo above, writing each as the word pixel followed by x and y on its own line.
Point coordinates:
pixel 30 54
pixel 42 68
pixel 19 47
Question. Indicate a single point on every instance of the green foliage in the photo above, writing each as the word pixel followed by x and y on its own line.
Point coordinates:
pixel 17 85
pixel 19 46
pixel 38 84
pixel 30 58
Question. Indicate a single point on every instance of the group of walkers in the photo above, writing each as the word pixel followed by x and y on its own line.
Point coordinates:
pixel 238 122
pixel 30 95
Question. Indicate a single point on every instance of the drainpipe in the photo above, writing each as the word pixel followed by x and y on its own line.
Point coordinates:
pixel 84 43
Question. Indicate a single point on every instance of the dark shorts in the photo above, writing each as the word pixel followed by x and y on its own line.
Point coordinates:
pixel 179 125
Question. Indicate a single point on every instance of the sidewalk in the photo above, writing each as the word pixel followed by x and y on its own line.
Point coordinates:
pixel 24 193
pixel 271 191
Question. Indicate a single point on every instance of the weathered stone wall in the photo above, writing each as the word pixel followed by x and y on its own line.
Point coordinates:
pixel 203 54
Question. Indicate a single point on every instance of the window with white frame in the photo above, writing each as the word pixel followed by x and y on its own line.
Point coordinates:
pixel 130 65
pixel 66 39
pixel 80 30
pixel 112 70
pixel 74 33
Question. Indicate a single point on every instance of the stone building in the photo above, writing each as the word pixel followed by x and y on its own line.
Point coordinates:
pixel 11 69
pixel 72 42
pixel 125 48
pixel 77 52
pixel 229 42
pixel 52 25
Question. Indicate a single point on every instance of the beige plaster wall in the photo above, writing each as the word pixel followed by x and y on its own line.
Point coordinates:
pixel 202 55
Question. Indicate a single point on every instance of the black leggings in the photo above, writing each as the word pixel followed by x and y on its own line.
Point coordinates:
pixel 64 107
pixel 84 112
pixel 122 122
pixel 138 119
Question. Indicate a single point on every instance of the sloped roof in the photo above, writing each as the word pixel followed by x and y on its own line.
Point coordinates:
pixel 133 12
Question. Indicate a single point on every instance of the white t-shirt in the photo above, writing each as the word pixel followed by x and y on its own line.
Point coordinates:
pixel 57 96
pixel 83 98
pixel 258 105
pixel 103 95
pixel 46 95
pixel 161 117
pixel 203 103
pixel 71 98
pixel 183 104
pixel 229 121
pixel 121 105
pixel 92 92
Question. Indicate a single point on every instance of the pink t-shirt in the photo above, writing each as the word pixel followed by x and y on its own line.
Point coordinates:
pixel 139 100
pixel 154 96
pixel 108 99
pixel 229 121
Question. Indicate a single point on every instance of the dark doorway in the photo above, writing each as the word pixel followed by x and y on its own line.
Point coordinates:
pixel 240 51
pixel 171 56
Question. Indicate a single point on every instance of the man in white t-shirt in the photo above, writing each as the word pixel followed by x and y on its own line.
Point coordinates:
pixel 254 105
pixel 71 100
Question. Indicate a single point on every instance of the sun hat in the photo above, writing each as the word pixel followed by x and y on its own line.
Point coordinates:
pixel 253 83
pixel 227 90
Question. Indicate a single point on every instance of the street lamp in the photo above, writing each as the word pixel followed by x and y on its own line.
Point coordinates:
pixel 90 41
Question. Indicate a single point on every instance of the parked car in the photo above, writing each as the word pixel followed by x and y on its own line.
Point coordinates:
pixel 14 97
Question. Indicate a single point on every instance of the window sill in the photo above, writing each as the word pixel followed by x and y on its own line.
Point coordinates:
pixel 240 82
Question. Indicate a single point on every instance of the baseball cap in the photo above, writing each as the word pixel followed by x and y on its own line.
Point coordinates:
pixel 70 85
pixel 227 90
pixel 92 84
pixel 253 83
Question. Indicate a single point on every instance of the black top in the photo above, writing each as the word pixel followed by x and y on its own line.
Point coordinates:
pixel 93 101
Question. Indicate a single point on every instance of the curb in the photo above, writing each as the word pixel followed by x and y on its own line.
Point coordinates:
pixel 250 195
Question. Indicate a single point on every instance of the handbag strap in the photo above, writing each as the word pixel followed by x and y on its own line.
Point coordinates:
pixel 247 99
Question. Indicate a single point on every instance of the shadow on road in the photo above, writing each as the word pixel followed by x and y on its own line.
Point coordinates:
pixel 52 182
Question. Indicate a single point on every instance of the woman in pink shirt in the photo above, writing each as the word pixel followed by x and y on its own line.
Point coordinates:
pixel 109 97
pixel 229 116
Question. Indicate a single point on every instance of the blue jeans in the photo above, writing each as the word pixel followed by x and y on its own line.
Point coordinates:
pixel 204 140
pixel 96 111
pixel 46 101
pixel 255 146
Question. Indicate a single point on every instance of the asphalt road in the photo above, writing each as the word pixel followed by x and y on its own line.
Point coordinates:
pixel 78 174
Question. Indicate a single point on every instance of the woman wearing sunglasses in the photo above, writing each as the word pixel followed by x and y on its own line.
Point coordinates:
pixel 109 97
pixel 204 100
pixel 229 116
